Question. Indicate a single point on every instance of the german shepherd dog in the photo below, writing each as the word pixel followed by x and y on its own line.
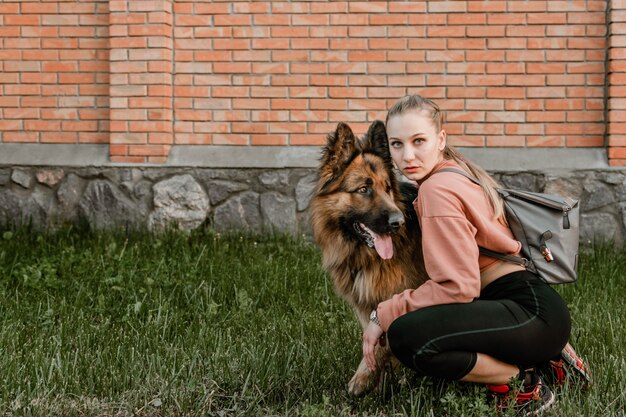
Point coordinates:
pixel 366 229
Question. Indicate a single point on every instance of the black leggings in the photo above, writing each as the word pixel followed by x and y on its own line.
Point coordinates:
pixel 517 319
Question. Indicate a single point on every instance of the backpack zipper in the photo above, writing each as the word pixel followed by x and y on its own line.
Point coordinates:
pixel 566 210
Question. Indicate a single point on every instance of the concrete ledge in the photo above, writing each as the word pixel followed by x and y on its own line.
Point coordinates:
pixel 46 154
pixel 492 159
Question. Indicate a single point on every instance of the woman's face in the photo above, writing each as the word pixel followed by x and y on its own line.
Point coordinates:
pixel 415 144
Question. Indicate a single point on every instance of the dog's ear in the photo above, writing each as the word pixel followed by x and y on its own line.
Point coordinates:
pixel 376 142
pixel 341 148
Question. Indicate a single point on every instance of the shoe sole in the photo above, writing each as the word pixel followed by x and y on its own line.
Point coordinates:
pixel 547 404
pixel 576 364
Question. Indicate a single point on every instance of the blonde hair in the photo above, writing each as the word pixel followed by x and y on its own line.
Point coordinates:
pixel 488 184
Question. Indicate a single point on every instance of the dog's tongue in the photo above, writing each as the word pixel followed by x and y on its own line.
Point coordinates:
pixel 384 246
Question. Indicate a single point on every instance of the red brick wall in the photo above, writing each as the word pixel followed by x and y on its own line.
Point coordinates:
pixel 54 71
pixel 509 73
pixel 616 82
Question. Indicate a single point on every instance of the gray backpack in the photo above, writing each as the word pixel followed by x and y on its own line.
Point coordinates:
pixel 547 227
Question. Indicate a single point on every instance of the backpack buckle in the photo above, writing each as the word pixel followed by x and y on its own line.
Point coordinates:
pixel 547 253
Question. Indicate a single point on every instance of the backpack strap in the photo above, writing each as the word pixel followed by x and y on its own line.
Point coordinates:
pixel 458 171
pixel 484 251
pixel 504 257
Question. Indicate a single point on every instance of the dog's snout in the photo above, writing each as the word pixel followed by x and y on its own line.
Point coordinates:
pixel 396 220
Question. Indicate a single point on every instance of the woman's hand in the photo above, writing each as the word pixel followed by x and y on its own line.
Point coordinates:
pixel 371 336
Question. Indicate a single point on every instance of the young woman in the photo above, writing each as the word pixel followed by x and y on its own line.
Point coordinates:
pixel 477 319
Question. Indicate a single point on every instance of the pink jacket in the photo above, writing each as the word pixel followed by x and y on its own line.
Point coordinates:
pixel 455 218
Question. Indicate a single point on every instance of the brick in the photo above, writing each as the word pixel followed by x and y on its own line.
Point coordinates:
pixel 278 43
pixel 486 80
pixel 149 150
pixel 411 56
pixel 545 116
pixel 527 6
pixel 324 7
pixel 290 32
pixel 506 141
pixel 268 116
pixel 506 18
pixel 491 31
pixel 525 80
pixel 271 20
pixel 545 141
pixel 445 80
pixel 346 92
pixel 389 20
pixel 466 68
pixel 464 116
pixel 459 92
pixel 231 139
pixel 58 137
pixel 445 31
pixel 308 92
pixel 327 104
pixel 566 55
pixel 297 8
pixel 316 140
pixel 464 140
pixel 446 6
pixel 25 137
pixel 314 20
pixel 564 104
pixel 585 141
pixel 252 8
pixel 524 129
pixel 552 68
pixel 367 32
pixel 306 115
pixel 347 19
pixel 546 18
pixel 386 68
pixel 490 6
pixel 547 43
pixel 371 80
pixel 250 80
pixel 506 68
pixel 347 68
pixel 368 104
pixel 22 20
pixel 11 125
pixel 367 56
pixel 526 56
pixel 407 32
pixel 484 56
pixel 269 140
pixel 586 116
pixel 585 18
pixel 448 56
pixel 467 19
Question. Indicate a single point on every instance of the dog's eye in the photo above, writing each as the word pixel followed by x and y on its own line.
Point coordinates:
pixel 388 189
pixel 363 190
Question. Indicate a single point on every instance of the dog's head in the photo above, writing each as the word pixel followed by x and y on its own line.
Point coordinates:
pixel 357 192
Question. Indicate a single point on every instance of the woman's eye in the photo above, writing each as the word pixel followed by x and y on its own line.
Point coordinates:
pixel 396 144
pixel 417 141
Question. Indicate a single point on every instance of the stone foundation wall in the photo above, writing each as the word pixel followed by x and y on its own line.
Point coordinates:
pixel 243 199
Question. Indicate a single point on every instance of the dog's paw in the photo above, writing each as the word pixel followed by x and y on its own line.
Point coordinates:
pixel 361 383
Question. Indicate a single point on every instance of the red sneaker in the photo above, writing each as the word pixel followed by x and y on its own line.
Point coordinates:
pixel 532 400
pixel 567 367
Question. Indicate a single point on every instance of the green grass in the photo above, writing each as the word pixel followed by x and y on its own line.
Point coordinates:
pixel 113 325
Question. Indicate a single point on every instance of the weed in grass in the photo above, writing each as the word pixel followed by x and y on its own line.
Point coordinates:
pixel 105 324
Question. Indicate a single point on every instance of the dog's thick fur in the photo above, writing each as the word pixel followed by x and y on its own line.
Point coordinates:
pixel 357 188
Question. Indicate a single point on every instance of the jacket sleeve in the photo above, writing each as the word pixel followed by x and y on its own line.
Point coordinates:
pixel 451 261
